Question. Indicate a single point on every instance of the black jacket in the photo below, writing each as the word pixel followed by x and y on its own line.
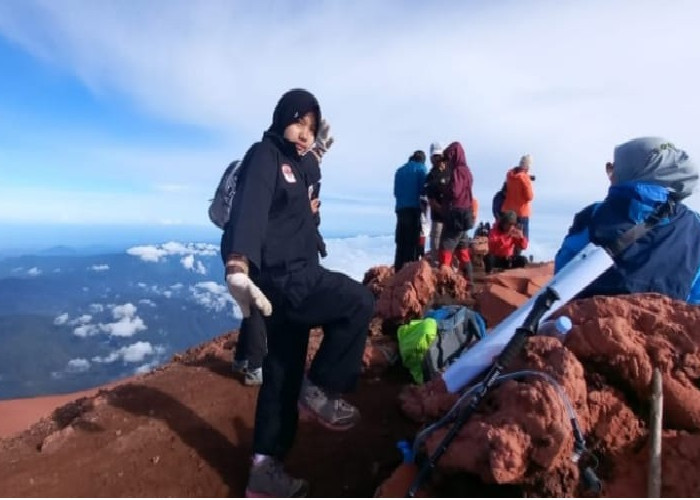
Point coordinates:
pixel 271 221
pixel 437 188
pixel 312 171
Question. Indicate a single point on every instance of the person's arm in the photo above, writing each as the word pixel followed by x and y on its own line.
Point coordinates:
pixel 251 207
pixel 576 239
pixel 519 239
pixel 527 192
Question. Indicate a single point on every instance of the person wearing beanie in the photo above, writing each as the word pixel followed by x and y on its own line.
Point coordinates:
pixel 504 239
pixel 272 264
pixel 409 183
pixel 252 339
pixel 459 217
pixel 519 193
pixel 437 187
pixel 651 179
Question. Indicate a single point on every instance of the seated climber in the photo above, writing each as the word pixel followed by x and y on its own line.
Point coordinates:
pixel 650 179
pixel 505 239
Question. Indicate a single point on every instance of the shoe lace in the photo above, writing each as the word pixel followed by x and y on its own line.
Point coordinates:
pixel 340 404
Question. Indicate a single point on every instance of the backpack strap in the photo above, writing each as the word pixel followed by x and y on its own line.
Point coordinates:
pixel 640 229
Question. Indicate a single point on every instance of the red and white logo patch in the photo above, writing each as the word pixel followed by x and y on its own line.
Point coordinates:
pixel 288 173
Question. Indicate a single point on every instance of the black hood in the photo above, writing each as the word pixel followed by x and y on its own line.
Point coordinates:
pixel 292 106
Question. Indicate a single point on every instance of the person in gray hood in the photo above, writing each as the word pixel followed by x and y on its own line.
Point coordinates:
pixel 650 179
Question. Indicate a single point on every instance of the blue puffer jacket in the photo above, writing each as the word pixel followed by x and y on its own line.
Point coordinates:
pixel 665 260
pixel 408 184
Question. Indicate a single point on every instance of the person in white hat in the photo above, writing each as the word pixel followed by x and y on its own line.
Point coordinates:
pixel 436 188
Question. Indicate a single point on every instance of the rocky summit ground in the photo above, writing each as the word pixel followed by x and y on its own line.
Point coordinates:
pixel 186 428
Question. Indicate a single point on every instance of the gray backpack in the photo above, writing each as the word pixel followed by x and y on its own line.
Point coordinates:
pixel 220 205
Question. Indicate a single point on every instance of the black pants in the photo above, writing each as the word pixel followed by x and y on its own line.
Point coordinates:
pixel 407 236
pixel 524 223
pixel 252 341
pixel 491 261
pixel 343 307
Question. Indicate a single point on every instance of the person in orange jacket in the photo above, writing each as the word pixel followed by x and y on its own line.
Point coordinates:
pixel 519 193
pixel 505 243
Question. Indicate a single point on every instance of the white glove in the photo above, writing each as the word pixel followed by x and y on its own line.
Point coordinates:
pixel 245 293
pixel 324 139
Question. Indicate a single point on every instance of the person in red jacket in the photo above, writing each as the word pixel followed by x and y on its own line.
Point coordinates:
pixel 505 242
pixel 519 193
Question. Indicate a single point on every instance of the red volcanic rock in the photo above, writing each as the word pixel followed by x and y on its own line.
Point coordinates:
pixel 376 277
pixel 504 292
pixel 407 294
pixel 521 434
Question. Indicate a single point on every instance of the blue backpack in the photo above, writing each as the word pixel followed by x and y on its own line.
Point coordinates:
pixel 458 327
pixel 497 203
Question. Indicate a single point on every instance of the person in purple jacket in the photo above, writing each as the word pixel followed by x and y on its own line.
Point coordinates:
pixel 460 212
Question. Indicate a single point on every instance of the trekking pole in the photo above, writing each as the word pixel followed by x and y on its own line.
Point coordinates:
pixel 654 479
pixel 542 304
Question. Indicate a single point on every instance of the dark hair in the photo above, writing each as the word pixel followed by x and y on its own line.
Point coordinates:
pixel 418 156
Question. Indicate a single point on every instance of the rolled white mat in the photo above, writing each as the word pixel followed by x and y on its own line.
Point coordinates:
pixel 585 267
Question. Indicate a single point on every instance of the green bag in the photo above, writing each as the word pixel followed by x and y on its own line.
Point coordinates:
pixel 414 340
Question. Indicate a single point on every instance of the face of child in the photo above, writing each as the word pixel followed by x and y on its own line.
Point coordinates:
pixel 302 133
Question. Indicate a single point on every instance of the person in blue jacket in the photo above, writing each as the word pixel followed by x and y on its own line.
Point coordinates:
pixel 409 182
pixel 647 173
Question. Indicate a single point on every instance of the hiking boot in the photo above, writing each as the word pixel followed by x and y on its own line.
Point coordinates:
pixel 329 410
pixel 267 479
pixel 239 366
pixel 253 377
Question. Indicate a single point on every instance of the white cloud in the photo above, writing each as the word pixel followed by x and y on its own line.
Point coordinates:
pixel 61 319
pixel 147 302
pixel 189 262
pixel 86 331
pixel 127 323
pixel 99 267
pixel 147 253
pixel 134 353
pixel 212 295
pixel 124 311
pixel 34 271
pixel 78 365
pixel 96 308
pixel 146 368
pixel 354 256
pixel 497 82
pixel 153 253
pixel 81 320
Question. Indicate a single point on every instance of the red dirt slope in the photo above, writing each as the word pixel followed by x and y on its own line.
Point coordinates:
pixel 186 430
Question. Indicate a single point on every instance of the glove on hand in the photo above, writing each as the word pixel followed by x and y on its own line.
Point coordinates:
pixel 245 293
pixel 324 139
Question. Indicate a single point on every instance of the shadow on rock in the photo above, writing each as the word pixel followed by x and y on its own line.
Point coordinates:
pixel 211 445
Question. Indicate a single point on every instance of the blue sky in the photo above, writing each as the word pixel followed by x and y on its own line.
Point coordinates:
pixel 126 112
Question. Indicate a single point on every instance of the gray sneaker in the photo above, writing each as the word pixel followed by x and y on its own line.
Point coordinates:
pixel 268 480
pixel 239 366
pixel 253 377
pixel 329 410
